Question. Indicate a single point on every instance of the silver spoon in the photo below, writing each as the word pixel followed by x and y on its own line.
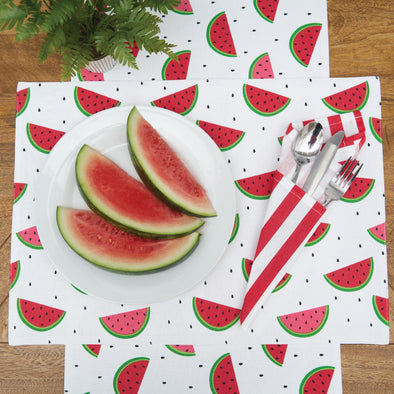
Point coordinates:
pixel 306 146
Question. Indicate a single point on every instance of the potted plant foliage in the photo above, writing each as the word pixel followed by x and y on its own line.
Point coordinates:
pixel 84 31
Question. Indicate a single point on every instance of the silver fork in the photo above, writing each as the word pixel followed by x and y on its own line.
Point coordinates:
pixel 342 180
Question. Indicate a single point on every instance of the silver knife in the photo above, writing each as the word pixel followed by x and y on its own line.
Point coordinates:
pixel 322 162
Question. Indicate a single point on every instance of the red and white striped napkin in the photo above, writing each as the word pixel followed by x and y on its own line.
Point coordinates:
pixel 293 215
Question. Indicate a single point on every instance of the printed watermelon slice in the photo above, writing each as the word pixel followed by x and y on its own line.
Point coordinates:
pixel 381 308
pixel 93 350
pixel 90 103
pixel 222 378
pixel 181 102
pixel 305 323
pixel 39 317
pixel 276 353
pixel 15 269
pixel 282 283
pixel 30 238
pixel 320 232
pixel 348 100
pixel 258 187
pixel 129 376
pixel 358 190
pixel 235 228
pixel 19 190
pixel 22 101
pixel 264 102
pixel 225 137
pixel 215 316
pixel 219 36
pixel 134 50
pixel 317 381
pixel 261 67
pixel 378 233
pixel 303 42
pixel 375 125
pixel 182 350
pixel 86 75
pixel 126 324
pixel 183 8
pixel 353 277
pixel 176 69
pixel 266 9
pixel 43 138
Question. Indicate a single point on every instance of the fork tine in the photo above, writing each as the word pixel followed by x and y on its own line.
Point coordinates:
pixel 351 168
pixel 339 173
pixel 350 181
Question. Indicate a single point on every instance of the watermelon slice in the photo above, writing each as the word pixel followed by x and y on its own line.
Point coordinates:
pixel 378 233
pixel 375 125
pixel 215 316
pixel 93 350
pixel 320 232
pixel 86 75
pixel 235 228
pixel 348 100
pixel 126 324
pixel 129 376
pixel 303 41
pixel 22 101
pixel 258 187
pixel 15 269
pixel 134 50
pixel 266 9
pixel 282 283
pixel 317 381
pixel 102 244
pixel 305 323
pixel 184 8
pixel 182 350
pixel 261 67
pixel 264 102
pixel 381 308
pixel 90 103
pixel 39 317
pixel 359 189
pixel 276 353
pixel 126 202
pixel 43 138
pixel 225 137
pixel 19 190
pixel 219 36
pixel 353 277
pixel 181 102
pixel 30 238
pixel 176 69
pixel 162 171
pixel 222 378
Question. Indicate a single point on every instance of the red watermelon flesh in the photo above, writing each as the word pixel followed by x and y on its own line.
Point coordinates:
pixel 184 7
pixel 222 378
pixel 359 189
pixel 266 8
pixel 261 68
pixel 176 69
pixel 276 353
pixel 15 268
pixel 378 233
pixel 133 48
pixel 282 283
pixel 181 102
pixel 94 350
pixel 381 307
pixel 30 237
pixel 225 137
pixel 246 267
pixel 90 102
pixel 303 41
pixel 183 350
pixel 320 232
pixel 317 381
pixel 235 228
pixel 22 100
pixel 43 138
pixel 375 125
pixel 129 376
pixel 353 277
pixel 258 187
pixel 37 316
pixel 86 75
pixel 19 190
pixel 219 35
pixel 217 317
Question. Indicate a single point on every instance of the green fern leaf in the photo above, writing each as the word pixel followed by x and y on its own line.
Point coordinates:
pixel 11 16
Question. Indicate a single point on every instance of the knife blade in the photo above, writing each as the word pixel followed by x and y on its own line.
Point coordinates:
pixel 322 162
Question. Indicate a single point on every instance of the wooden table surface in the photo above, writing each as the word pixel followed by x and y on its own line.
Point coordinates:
pixel 361 36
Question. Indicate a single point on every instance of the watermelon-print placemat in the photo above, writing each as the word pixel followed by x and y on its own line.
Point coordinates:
pixel 310 304
pixel 235 39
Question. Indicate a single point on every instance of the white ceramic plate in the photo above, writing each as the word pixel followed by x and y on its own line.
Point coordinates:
pixel 106 132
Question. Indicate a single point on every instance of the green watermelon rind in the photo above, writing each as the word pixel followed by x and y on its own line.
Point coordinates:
pixel 244 271
pixel 122 367
pixel 21 193
pixel 235 228
pixel 21 110
pixel 322 235
pixel 127 336
pixel 15 278
pixel 377 311
pixel 168 61
pixel 313 372
pixel 253 65
pixel 257 111
pixel 269 355
pixel 26 243
pixel 365 194
pixel 340 111
pixel 348 289
pixel 33 327
pixel 293 36
pixel 213 371
pixel 307 334
pixel 181 12
pixel 87 348
pixel 376 237
pixel 209 326
pixel 282 285
pixel 213 20
pixel 260 13
pixel 374 132
pixel 179 352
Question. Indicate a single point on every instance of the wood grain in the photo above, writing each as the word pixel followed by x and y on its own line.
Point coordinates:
pixel 361 36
